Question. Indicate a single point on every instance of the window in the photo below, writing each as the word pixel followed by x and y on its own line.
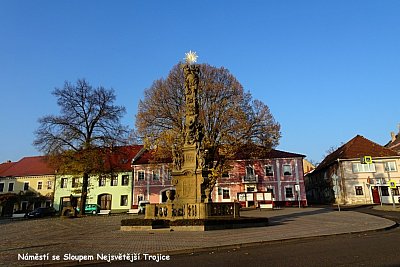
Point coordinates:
pixel 358 167
pixel 270 190
pixel 390 166
pixel 250 189
pixel 26 186
pixel 140 198
pixel 24 205
pixel 75 182
pixel 1 187
pixel 156 175
pixel 124 200
pixel 219 191
pixel 289 192
pixel 169 174
pixel 114 181
pixel 140 175
pixel 385 191
pixel 359 191
pixel 287 169
pixel 269 171
pixel 225 175
pixel 39 185
pixel 102 181
pixel 395 191
pixel 64 182
pixel 10 187
pixel 225 193
pixel 125 179
pixel 49 184
pixel 249 171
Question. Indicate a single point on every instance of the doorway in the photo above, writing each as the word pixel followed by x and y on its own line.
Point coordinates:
pixel 104 201
pixel 375 195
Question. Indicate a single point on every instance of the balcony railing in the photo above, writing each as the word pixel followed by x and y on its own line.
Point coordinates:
pixel 250 179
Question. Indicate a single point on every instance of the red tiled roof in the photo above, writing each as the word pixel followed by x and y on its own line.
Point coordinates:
pixel 146 157
pixel 28 166
pixel 121 157
pixel 263 153
pixel 278 154
pixel 5 166
pixel 395 144
pixel 357 147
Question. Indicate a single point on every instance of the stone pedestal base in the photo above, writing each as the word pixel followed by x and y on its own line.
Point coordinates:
pixel 192 211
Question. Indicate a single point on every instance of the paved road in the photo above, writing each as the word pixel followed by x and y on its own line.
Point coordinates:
pixel 94 235
pixel 365 249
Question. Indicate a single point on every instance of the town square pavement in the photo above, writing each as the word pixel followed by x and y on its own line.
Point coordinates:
pixel 99 239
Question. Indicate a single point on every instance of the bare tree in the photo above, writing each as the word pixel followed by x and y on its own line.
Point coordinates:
pixel 230 118
pixel 88 122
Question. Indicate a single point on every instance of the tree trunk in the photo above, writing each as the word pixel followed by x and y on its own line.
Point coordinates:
pixel 85 184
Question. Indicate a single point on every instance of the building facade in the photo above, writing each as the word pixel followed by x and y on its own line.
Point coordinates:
pixel 27 184
pixel 111 190
pixel 278 178
pixel 359 172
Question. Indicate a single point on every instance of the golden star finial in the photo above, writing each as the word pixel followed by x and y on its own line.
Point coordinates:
pixel 190 57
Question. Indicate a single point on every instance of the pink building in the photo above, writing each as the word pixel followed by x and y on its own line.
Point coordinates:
pixel 278 178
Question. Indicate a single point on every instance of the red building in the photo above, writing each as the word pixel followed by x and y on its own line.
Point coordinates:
pixel 277 178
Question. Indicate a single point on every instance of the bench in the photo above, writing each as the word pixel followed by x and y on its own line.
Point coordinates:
pixel 133 211
pixel 104 212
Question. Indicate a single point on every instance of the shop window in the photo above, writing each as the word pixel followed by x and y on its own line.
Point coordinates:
pixel 385 191
pixel 359 191
pixel 396 191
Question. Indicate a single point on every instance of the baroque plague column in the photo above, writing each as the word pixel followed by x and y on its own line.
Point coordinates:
pixel 192 199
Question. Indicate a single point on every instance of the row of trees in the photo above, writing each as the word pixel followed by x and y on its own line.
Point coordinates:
pixel 90 122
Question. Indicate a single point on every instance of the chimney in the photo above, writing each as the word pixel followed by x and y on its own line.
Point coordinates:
pixel 393 135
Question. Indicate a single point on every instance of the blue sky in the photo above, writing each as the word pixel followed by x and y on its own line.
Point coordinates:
pixel 328 70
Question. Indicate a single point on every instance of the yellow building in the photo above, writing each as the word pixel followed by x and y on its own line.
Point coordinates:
pixel 26 184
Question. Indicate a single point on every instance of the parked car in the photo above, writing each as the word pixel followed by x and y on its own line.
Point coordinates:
pixel 142 206
pixel 91 209
pixel 41 212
